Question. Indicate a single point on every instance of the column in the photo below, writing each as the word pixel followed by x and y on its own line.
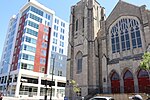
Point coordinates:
pixel 39 84
pixel 18 85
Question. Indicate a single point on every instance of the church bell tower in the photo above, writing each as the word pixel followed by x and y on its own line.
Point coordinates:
pixel 83 56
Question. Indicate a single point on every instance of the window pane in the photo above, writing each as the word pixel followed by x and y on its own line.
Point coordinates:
pixel 133 35
pixel 118 47
pixel 122 38
pixel 137 33
pixel 134 43
pixel 112 40
pixel 139 42
pixel 113 48
pixel 117 39
pixel 123 46
pixel 128 45
pixel 127 36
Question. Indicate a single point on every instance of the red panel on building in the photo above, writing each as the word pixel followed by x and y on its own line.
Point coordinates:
pixel 42 48
pixel 18 43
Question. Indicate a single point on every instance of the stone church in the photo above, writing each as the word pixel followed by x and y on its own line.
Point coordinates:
pixel 104 53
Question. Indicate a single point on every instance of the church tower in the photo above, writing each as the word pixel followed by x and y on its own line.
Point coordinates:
pixel 83 56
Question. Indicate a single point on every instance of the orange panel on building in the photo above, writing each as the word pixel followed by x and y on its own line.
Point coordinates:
pixel 43 38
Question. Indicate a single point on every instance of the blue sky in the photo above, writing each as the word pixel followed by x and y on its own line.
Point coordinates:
pixel 61 8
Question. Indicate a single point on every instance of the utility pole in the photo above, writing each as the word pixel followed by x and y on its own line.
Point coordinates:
pixel 46 65
pixel 52 78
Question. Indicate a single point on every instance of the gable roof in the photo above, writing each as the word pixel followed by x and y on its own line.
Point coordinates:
pixel 122 9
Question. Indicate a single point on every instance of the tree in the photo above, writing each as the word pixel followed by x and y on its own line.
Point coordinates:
pixel 145 63
pixel 76 88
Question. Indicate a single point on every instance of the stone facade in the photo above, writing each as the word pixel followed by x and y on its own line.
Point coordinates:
pixel 90 35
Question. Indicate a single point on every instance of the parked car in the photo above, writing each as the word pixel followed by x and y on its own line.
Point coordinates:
pixel 136 97
pixel 101 98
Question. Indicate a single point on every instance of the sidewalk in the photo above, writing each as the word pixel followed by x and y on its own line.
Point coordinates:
pixel 23 98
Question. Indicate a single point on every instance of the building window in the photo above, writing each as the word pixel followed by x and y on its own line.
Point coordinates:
pixel 77 25
pixel 44 45
pixel 62 24
pixel 56 21
pixel 79 62
pixel 54 41
pixel 31 32
pixel 30 40
pixel 54 48
pixel 43 52
pixel 37 11
pixel 45 29
pixel 82 22
pixel 34 17
pixel 115 76
pixel 61 37
pixel 26 66
pixel 28 48
pixel 56 27
pixel 32 24
pixel 124 30
pixel 42 69
pixel 61 50
pixel 59 73
pixel 42 60
pixel 55 34
pixel 61 44
pixel 27 57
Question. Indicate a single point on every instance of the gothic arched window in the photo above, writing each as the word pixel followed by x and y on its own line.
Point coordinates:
pixel 79 62
pixel 125 34
pixel 128 75
pixel 115 76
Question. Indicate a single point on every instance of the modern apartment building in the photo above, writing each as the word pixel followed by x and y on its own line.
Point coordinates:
pixel 35 44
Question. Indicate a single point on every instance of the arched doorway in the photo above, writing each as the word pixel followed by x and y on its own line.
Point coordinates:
pixel 128 82
pixel 143 81
pixel 115 83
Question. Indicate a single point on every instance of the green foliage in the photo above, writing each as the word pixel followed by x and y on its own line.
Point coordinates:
pixel 75 86
pixel 145 63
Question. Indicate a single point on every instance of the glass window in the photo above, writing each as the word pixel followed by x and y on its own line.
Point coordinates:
pixel 32 24
pixel 79 62
pixel 29 48
pixel 56 21
pixel 42 60
pixel 37 11
pixel 26 66
pixel 44 45
pixel 36 18
pixel 126 26
pixel 30 40
pixel 31 32
pixel 54 41
pixel 27 57
pixel 128 75
pixel 43 52
pixel 77 25
pixel 45 29
pixel 115 76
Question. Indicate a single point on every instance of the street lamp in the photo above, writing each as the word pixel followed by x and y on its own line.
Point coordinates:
pixel 52 78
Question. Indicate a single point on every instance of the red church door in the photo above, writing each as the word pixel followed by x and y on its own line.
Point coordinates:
pixel 144 82
pixel 115 83
pixel 128 82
